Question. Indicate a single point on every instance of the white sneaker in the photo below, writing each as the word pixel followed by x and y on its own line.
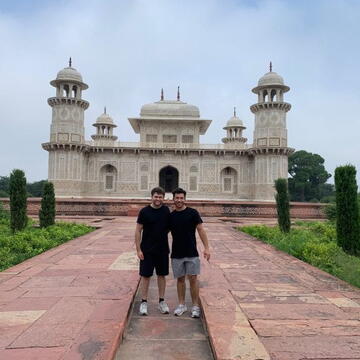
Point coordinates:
pixel 163 307
pixel 180 310
pixel 143 310
pixel 195 311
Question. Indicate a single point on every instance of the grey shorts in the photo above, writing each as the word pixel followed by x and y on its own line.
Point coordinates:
pixel 186 266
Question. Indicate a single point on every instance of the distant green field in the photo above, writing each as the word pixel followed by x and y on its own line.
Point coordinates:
pixel 314 243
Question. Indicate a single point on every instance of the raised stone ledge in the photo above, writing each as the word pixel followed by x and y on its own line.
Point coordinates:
pixel 215 208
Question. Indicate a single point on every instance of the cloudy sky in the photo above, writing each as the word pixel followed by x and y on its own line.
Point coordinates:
pixel 216 50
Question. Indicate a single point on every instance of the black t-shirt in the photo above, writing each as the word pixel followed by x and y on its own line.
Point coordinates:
pixel 155 229
pixel 183 226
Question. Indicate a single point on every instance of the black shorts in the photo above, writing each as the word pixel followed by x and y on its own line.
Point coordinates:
pixel 158 261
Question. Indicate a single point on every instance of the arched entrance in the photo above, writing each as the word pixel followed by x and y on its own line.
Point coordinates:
pixel 169 178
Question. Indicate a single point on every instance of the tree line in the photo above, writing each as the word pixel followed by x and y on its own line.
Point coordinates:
pixel 33 189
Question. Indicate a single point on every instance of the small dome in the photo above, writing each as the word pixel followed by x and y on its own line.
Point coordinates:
pixel 104 119
pixel 69 74
pixel 169 108
pixel 234 121
pixel 271 78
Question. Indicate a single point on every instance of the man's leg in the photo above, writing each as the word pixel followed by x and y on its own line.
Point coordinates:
pixel 194 289
pixel 161 280
pixel 181 289
pixel 145 281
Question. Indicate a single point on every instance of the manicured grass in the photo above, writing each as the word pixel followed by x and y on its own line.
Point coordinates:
pixel 314 243
pixel 15 248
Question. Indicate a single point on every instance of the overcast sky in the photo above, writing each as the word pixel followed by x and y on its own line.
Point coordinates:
pixel 216 50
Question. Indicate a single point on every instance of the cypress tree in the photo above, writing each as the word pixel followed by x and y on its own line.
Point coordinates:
pixel 47 211
pixel 18 196
pixel 347 209
pixel 283 204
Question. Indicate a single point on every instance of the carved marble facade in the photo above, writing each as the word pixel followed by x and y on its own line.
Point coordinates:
pixel 169 152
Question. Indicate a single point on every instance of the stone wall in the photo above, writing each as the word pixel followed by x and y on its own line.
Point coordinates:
pixel 131 207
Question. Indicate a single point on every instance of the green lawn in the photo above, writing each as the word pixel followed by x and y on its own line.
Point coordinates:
pixel 314 243
pixel 15 248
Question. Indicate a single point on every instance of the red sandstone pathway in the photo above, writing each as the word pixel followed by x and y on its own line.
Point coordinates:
pixel 72 302
pixel 263 304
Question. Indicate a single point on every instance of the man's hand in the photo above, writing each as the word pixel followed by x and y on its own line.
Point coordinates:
pixel 207 254
pixel 140 255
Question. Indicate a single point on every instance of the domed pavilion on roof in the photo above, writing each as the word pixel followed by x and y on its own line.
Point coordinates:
pixel 169 152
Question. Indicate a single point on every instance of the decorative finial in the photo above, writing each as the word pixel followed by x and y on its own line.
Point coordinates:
pixel 178 94
pixel 104 109
pixel 70 62
pixel 162 94
pixel 234 111
pixel 270 66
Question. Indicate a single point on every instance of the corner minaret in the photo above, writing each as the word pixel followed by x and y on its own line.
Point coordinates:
pixel 67 145
pixel 270 111
pixel 270 135
pixel 68 107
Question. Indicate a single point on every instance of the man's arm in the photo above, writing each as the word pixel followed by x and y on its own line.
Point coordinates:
pixel 202 233
pixel 138 230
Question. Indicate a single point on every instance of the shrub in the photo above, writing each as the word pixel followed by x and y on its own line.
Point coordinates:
pixel 347 214
pixel 283 204
pixel 330 211
pixel 18 218
pixel 47 211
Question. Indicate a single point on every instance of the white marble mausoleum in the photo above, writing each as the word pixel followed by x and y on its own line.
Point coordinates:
pixel 169 152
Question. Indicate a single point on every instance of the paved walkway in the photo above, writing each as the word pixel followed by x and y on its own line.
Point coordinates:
pixel 164 337
pixel 72 302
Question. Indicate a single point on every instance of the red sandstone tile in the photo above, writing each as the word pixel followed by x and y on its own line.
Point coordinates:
pixel 61 292
pixel 34 269
pixel 75 260
pixel 5 277
pixel 278 297
pixel 330 294
pixel 13 283
pixel 97 341
pixel 26 303
pixel 313 347
pixel 292 311
pixel 10 333
pixel 6 296
pixel 310 327
pixel 69 310
pixel 33 354
pixel 114 310
pixel 53 271
pixel 52 335
pixel 47 281
pixel 352 294
pixel 219 299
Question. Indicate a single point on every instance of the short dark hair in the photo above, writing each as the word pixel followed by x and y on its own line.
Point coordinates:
pixel 158 190
pixel 179 191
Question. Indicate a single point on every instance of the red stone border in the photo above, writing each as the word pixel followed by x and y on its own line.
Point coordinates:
pixel 131 207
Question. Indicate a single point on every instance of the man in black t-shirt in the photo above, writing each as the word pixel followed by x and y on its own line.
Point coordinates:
pixel 184 221
pixel 152 247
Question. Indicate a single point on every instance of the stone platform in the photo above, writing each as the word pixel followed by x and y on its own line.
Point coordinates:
pixel 73 302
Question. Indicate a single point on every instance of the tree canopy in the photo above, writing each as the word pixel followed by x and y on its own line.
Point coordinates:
pixel 308 177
